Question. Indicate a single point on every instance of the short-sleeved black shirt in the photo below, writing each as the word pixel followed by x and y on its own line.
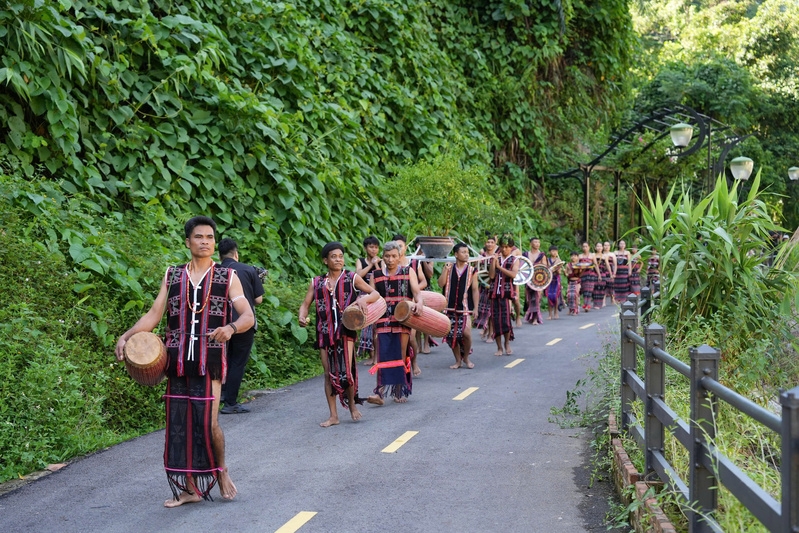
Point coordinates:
pixel 250 282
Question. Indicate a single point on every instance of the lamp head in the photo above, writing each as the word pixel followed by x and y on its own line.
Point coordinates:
pixel 681 134
pixel 741 168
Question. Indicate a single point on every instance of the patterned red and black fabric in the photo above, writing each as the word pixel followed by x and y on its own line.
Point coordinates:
pixel 573 296
pixel 459 323
pixel 501 317
pixel 635 278
pixel 189 457
pixel 502 286
pixel 333 337
pixel 395 381
pixel 621 284
pixel 393 289
pixel 459 304
pixel 601 284
pixel 330 307
pixel 196 355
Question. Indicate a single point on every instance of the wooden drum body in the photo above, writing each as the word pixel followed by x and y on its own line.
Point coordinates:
pixel 434 300
pixel 353 318
pixel 145 358
pixel 431 322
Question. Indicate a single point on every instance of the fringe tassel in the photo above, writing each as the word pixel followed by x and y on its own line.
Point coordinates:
pixel 201 484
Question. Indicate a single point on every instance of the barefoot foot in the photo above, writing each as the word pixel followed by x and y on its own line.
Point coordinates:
pixel 401 400
pixel 226 486
pixel 498 352
pixel 416 370
pixel 469 364
pixel 355 414
pixel 375 399
pixel 456 366
pixel 332 421
pixel 185 497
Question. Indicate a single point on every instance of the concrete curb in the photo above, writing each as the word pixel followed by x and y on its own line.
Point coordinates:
pixel 647 516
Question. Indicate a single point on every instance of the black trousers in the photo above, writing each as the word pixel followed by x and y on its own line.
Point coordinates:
pixel 238 353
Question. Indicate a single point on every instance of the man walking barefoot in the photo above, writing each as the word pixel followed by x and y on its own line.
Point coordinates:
pixel 197 298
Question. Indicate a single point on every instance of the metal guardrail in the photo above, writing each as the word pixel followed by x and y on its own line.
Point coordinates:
pixel 709 468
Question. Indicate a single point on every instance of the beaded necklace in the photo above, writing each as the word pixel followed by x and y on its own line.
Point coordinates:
pixel 332 291
pixel 188 294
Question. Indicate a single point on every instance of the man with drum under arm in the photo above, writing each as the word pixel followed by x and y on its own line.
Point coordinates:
pixel 197 298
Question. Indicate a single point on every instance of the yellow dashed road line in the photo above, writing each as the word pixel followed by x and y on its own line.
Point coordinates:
pixel 465 393
pixel 394 446
pixel 297 522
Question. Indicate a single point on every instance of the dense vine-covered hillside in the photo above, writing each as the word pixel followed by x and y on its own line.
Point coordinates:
pixel 281 118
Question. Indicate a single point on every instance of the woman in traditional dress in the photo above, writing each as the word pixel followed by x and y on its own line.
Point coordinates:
pixel 621 283
pixel 635 271
pixel 653 269
pixel 603 276
pixel 533 298
pixel 588 275
pixel 554 288
pixel 609 283
pixel 573 275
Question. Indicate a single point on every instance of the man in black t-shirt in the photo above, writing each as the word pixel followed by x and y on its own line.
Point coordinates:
pixel 240 344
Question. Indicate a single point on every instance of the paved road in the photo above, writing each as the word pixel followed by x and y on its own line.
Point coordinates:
pixel 490 462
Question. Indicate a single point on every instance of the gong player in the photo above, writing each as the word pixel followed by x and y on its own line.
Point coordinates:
pixel 197 298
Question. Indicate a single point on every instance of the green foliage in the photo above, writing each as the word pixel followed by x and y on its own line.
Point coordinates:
pixel 258 113
pixel 453 197
pixel 737 62
pixel 713 263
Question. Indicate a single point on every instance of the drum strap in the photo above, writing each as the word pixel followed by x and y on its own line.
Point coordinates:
pixel 392 364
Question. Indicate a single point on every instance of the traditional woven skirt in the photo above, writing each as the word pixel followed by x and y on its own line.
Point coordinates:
pixel 396 380
pixel 342 375
pixel 598 294
pixel 554 293
pixel 460 322
pixel 501 318
pixel 188 449
pixel 484 309
pixel 587 283
pixel 533 314
pixel 621 285
pixel 573 296
pixel 652 277
pixel 366 345
pixel 635 282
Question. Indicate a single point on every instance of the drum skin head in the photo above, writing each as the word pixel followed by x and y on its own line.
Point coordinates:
pixel 143 348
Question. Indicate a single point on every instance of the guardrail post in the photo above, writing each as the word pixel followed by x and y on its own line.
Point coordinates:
pixel 645 303
pixel 790 460
pixel 655 383
pixel 629 322
pixel 702 485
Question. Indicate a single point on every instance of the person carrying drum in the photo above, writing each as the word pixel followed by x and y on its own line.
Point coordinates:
pixel 460 286
pixel 197 298
pixel 395 283
pixel 333 292
pixel 502 271
pixel 416 266
pixel 365 266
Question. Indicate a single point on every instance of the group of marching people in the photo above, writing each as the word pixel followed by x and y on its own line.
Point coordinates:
pixel 391 346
